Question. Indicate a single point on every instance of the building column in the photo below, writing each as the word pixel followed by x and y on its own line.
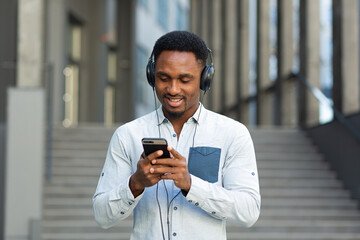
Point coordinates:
pixel 285 90
pixel 309 60
pixel 126 51
pixel 26 127
pixel 346 55
pixel 242 75
pixel 229 48
pixel 216 47
pixel 204 34
pixel 55 54
pixel 264 99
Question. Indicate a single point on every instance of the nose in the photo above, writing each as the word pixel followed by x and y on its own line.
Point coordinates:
pixel 174 87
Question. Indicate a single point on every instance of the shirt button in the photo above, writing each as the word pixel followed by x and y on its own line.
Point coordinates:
pixel 174 135
pixel 130 203
pixel 197 204
pixel 213 213
pixel 122 213
pixel 174 234
pixel 190 201
pixel 175 208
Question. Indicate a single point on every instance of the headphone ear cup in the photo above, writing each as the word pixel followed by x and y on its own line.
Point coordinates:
pixel 207 76
pixel 150 73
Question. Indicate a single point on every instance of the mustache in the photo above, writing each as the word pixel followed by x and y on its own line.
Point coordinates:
pixel 173 96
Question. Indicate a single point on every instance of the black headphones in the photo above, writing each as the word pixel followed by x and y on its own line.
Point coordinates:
pixel 206 78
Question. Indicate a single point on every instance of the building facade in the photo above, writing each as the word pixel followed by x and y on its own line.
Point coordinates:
pixel 67 63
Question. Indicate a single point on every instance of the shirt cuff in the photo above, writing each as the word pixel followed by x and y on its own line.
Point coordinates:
pixel 198 191
pixel 123 193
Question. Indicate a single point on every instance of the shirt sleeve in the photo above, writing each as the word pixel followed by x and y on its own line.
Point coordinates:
pixel 238 199
pixel 113 200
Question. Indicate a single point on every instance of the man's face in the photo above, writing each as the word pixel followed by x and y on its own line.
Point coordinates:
pixel 177 83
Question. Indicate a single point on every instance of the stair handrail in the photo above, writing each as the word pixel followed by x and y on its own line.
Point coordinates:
pixel 323 99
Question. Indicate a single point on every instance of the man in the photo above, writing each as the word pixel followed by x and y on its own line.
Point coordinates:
pixel 211 176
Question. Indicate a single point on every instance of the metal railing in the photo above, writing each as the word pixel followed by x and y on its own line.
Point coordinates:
pixel 49 83
pixel 321 98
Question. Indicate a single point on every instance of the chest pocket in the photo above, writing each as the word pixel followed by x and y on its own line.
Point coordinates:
pixel 204 163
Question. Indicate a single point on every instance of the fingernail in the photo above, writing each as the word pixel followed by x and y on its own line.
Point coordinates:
pixel 152 170
pixel 153 161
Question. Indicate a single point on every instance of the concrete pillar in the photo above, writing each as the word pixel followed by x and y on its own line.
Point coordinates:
pixel 346 55
pixel 25 161
pixel 55 54
pixel 203 33
pixel 285 90
pixel 229 47
pixel 25 126
pixel 309 60
pixel 264 100
pixel 216 46
pixel 125 86
pixel 243 59
pixel 30 43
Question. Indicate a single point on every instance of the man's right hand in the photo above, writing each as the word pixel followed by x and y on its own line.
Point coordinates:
pixel 143 177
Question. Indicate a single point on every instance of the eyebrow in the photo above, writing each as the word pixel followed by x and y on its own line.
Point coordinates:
pixel 184 75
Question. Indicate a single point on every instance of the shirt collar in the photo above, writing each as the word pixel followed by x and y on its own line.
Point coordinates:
pixel 197 117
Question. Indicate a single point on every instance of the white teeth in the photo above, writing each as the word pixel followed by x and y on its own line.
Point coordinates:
pixel 174 99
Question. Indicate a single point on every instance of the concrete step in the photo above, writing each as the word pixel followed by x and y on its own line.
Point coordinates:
pixel 86 236
pixel 301 197
pixel 77 145
pixel 90 153
pixel 277 173
pixel 264 182
pixel 262 164
pixel 268 192
pixel 299 183
pixel 276 148
pixel 296 173
pixel 295 202
pixel 290 213
pixel 289 156
pixel 281 164
pixel 292 236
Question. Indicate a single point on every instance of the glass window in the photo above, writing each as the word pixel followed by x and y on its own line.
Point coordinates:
pixel 141 81
pixel 162 14
pixel 181 17
pixel 143 3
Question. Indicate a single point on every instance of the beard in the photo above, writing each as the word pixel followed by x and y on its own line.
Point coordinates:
pixel 173 115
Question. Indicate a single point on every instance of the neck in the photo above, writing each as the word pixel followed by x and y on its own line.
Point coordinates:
pixel 178 121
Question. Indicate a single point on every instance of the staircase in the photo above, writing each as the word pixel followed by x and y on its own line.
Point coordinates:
pixel 301 197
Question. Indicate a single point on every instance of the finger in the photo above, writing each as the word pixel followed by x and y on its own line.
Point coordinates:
pixel 174 153
pixel 168 162
pixel 163 170
pixel 154 155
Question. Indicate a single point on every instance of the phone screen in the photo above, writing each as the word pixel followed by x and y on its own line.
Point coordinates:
pixel 153 144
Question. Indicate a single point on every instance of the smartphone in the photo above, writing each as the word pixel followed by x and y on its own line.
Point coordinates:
pixel 153 144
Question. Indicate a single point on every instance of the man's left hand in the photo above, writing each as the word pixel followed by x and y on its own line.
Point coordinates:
pixel 174 168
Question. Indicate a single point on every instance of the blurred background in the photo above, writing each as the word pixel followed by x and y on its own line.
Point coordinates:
pixel 72 71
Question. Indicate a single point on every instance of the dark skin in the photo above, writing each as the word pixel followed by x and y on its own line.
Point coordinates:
pixel 177 85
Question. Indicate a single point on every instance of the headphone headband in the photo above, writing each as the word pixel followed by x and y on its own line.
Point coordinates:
pixel 206 76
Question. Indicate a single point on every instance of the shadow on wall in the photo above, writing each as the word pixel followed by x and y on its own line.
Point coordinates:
pixel 341 150
pixel 2 177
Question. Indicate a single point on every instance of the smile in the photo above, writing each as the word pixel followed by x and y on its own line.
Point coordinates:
pixel 174 102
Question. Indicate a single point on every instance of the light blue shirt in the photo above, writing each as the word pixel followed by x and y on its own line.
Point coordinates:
pixel 224 179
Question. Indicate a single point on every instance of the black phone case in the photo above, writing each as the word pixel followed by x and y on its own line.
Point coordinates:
pixel 152 144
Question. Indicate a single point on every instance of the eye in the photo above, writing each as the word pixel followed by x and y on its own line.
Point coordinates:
pixel 185 80
pixel 163 79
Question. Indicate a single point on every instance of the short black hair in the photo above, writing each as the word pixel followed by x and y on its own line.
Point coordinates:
pixel 182 41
